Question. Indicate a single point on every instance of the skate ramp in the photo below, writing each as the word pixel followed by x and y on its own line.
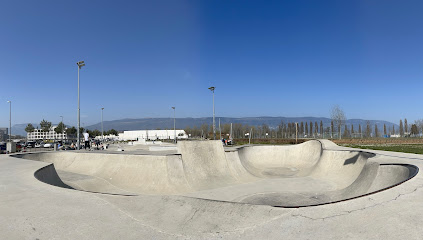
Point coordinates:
pixel 289 176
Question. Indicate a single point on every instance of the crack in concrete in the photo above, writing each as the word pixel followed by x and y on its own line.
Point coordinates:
pixel 359 209
pixel 195 212
pixel 192 216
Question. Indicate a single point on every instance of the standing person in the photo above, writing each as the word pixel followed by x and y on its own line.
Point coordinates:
pixel 86 139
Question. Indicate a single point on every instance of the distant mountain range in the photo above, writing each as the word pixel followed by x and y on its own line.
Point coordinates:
pixel 182 123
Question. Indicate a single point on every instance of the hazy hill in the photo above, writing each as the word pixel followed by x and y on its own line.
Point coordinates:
pixel 181 123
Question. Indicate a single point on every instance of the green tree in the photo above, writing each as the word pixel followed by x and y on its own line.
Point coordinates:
pixel 95 133
pixel 384 129
pixel 321 129
pixel 113 132
pixel 71 131
pixel 352 128
pixel 29 128
pixel 45 126
pixel 359 129
pixel 60 128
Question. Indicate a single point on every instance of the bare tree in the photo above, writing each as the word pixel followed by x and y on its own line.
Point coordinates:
pixel 414 130
pixel 311 129
pixel 338 116
pixel 419 124
pixel 205 130
pixel 376 131
pixel 368 129
pixel 346 132
pixel 316 128
pixel 405 126
pixel 306 128
pixel 302 128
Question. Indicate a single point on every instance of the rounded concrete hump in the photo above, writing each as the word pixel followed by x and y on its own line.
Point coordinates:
pixel 281 160
pixel 327 144
pixel 205 164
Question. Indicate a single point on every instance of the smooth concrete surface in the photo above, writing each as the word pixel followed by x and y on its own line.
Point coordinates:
pixel 286 176
pixel 38 200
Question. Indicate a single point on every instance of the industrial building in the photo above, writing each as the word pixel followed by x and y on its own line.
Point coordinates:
pixel 152 135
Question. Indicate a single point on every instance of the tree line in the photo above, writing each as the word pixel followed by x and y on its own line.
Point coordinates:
pixel 45 126
pixel 308 130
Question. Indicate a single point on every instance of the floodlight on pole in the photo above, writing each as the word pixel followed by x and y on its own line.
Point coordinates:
pixel 102 131
pixel 63 132
pixel 10 121
pixel 80 65
pixel 174 123
pixel 214 125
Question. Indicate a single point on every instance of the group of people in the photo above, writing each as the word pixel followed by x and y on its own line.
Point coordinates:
pixel 226 142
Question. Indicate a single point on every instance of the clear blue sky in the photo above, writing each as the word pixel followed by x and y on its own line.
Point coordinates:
pixel 266 58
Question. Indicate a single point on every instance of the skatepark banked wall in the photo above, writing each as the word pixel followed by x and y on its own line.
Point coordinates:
pixel 289 176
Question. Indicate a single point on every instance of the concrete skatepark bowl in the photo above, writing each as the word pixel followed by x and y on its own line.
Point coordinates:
pixel 280 176
pixel 315 190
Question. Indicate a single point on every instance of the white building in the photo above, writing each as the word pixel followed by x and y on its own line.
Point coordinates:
pixel 108 137
pixel 50 135
pixel 151 135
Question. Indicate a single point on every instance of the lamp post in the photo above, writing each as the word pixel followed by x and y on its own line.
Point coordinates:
pixel 80 65
pixel 102 136
pixel 174 123
pixel 214 125
pixel 63 133
pixel 220 130
pixel 10 121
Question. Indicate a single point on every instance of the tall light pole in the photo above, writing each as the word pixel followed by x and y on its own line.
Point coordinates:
pixel 214 125
pixel 174 122
pixel 220 130
pixel 80 65
pixel 10 121
pixel 102 136
pixel 63 133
